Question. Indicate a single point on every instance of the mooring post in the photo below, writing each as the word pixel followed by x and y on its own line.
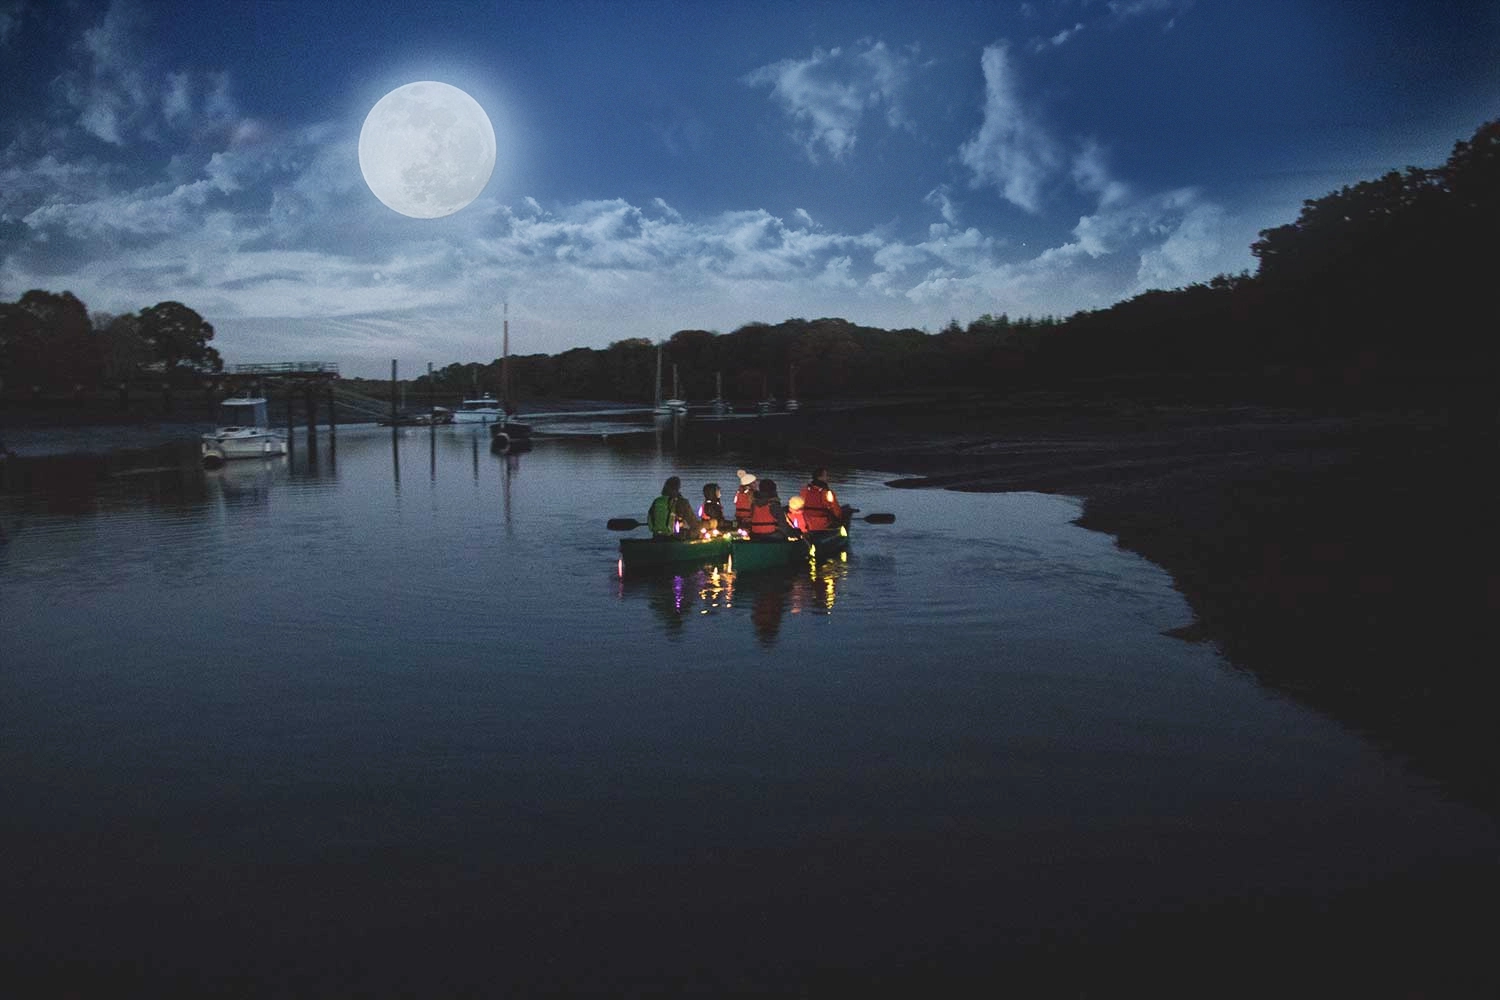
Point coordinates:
pixel 393 392
pixel 291 437
pixel 333 423
pixel 310 400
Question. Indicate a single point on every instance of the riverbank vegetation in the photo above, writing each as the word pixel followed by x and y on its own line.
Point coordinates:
pixel 1378 292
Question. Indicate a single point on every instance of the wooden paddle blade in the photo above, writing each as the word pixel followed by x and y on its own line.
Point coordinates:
pixel 879 518
pixel 622 524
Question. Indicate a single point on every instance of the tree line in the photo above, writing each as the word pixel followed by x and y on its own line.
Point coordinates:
pixel 49 341
pixel 1383 285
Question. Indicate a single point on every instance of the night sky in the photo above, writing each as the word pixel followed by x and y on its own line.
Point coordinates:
pixel 696 165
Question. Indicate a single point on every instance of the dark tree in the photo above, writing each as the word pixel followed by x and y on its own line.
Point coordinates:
pixel 178 337
pixel 46 338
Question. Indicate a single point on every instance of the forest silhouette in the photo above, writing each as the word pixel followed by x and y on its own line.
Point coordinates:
pixel 1380 289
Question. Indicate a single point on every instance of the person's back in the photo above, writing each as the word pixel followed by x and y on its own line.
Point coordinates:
pixel 795 515
pixel 744 498
pixel 670 515
pixel 767 520
pixel 711 512
pixel 821 510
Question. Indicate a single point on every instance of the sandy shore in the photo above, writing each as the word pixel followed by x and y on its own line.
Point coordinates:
pixel 1347 560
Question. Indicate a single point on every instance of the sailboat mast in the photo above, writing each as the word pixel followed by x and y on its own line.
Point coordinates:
pixel 505 356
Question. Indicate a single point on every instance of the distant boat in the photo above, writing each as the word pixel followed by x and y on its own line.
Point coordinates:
pixel 243 432
pixel 486 409
pixel 419 418
pixel 676 405
pixel 719 406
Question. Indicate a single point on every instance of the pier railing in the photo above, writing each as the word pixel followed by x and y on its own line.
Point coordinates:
pixel 287 368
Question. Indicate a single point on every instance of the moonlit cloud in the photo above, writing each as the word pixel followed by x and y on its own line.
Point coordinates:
pixel 828 94
pixel 145 164
pixel 10 21
pixel 1060 38
pixel 1011 151
pixel 1124 9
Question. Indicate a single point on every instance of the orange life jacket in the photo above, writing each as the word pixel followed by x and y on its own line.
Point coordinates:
pixel 762 521
pixel 820 510
pixel 744 499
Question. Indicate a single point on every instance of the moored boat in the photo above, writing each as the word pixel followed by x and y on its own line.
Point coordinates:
pixel 484 410
pixel 243 432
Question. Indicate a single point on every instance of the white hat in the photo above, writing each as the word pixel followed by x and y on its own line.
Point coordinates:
pixel 745 478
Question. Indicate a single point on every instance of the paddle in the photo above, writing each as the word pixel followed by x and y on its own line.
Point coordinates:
pixel 630 523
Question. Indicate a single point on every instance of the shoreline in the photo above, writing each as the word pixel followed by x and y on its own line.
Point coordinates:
pixel 1332 556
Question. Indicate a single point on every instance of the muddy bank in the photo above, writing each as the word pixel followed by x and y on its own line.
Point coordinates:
pixel 1347 560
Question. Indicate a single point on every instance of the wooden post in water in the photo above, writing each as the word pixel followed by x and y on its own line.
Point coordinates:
pixel 333 437
pixel 393 393
pixel 291 438
pixel 333 427
pixel 310 398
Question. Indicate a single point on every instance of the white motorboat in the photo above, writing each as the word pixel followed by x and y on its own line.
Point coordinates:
pixel 243 432
pixel 484 410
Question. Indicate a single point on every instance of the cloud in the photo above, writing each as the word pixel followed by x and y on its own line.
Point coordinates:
pixel 11 15
pixel 120 97
pixel 939 198
pixel 828 94
pixel 272 235
pixel 1125 9
pixel 1011 151
pixel 1091 174
pixel 1060 38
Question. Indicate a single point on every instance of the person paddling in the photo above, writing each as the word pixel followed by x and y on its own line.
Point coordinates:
pixel 820 508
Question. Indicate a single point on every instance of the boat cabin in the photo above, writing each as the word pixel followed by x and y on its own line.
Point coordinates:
pixel 243 413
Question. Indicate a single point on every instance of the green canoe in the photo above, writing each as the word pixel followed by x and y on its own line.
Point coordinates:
pixel 644 554
pixel 653 553
pixel 749 556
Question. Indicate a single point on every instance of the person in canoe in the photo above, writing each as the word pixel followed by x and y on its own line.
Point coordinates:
pixel 744 497
pixel 794 518
pixel 767 519
pixel 670 515
pixel 820 508
pixel 711 511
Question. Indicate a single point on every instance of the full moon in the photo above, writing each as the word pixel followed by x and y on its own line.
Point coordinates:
pixel 426 149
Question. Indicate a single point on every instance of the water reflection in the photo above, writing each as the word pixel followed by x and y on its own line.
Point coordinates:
pixel 765 597
pixel 247 483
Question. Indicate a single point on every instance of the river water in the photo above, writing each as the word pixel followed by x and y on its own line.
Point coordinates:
pixel 385 716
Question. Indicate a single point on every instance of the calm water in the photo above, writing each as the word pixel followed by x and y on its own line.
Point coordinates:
pixel 391 719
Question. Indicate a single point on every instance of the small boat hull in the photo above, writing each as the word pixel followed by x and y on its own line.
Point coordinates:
pixel 748 556
pixel 745 556
pixel 225 445
pixel 641 554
